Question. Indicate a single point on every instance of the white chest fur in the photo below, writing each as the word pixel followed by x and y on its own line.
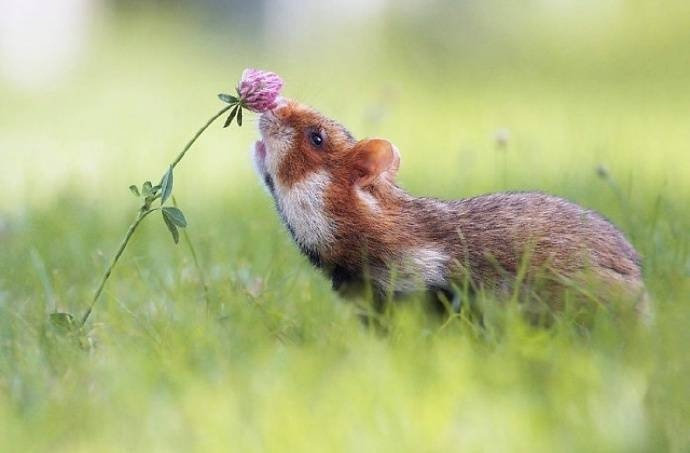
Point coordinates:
pixel 302 206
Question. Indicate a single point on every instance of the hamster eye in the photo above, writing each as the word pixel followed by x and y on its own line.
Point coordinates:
pixel 316 139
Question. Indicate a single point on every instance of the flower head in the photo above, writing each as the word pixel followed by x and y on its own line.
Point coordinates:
pixel 258 90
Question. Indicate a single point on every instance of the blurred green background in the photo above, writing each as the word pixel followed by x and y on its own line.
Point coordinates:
pixel 479 96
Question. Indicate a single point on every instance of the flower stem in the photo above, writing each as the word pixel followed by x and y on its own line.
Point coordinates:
pixel 141 214
pixel 198 134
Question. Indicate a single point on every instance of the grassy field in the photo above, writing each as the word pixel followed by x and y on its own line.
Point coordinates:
pixel 271 359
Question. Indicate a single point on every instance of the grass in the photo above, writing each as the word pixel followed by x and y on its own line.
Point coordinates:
pixel 279 363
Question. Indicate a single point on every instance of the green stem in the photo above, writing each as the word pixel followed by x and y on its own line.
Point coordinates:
pixel 198 134
pixel 143 212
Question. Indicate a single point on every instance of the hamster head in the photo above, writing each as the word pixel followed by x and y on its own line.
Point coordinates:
pixel 297 142
pixel 312 166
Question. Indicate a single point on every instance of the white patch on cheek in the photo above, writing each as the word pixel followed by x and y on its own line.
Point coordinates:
pixel 278 144
pixel 302 206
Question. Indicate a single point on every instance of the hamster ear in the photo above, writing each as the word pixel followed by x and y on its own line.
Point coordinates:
pixel 375 158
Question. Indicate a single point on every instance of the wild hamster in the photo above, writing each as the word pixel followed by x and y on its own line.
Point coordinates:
pixel 338 198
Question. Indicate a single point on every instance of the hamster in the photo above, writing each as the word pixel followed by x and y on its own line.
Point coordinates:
pixel 338 198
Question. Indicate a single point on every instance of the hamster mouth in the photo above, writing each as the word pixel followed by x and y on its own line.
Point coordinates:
pixel 260 157
pixel 260 165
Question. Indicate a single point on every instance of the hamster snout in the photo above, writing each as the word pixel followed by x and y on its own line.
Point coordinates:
pixel 271 120
pixel 267 123
pixel 273 128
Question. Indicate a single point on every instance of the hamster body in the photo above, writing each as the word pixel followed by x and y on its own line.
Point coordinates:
pixel 338 199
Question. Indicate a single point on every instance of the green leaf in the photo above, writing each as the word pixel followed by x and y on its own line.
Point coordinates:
pixel 239 116
pixel 146 189
pixel 171 227
pixel 228 98
pixel 63 321
pixel 135 190
pixel 232 116
pixel 175 216
pixel 166 184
